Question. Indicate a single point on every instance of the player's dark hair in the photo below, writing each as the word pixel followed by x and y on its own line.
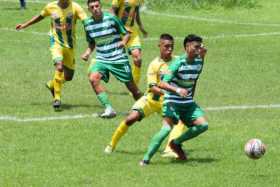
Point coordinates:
pixel 90 1
pixel 166 36
pixel 192 38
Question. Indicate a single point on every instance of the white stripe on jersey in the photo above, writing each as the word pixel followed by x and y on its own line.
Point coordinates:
pixel 102 33
pixel 107 47
pixel 114 58
pixel 114 53
pixel 100 25
pixel 191 67
pixel 177 101
pixel 188 76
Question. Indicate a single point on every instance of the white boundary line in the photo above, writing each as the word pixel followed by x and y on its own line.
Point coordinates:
pixel 186 17
pixel 95 115
pixel 220 36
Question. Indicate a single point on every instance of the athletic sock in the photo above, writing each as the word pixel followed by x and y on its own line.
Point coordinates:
pixel 175 133
pixel 119 132
pixel 57 84
pixel 156 142
pixel 104 99
pixel 191 133
pixel 136 73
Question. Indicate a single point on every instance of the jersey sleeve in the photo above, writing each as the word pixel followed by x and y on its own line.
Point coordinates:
pixel 116 3
pixel 172 69
pixel 152 74
pixel 89 39
pixel 119 26
pixel 45 12
pixel 80 13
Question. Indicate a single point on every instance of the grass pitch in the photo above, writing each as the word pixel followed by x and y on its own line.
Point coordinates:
pixel 39 147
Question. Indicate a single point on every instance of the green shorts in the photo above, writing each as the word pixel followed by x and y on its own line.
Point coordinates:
pixel 122 72
pixel 186 112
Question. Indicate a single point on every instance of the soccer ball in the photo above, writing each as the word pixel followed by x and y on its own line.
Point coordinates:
pixel 254 148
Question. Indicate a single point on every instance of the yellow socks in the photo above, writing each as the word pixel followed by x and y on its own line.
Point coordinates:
pixel 176 132
pixel 57 84
pixel 136 73
pixel 119 132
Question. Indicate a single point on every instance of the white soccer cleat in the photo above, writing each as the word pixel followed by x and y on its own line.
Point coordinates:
pixel 108 149
pixel 169 154
pixel 108 113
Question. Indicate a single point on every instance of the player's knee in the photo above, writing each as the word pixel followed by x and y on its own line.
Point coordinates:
pixel 136 57
pixel 132 118
pixel 94 78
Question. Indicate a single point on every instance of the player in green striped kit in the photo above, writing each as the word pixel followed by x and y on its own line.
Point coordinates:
pixel 104 33
pixel 179 85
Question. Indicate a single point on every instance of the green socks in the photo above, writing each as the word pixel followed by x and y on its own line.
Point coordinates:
pixel 191 133
pixel 156 141
pixel 104 99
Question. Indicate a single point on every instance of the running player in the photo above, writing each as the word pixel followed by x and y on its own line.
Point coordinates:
pixel 128 12
pixel 63 14
pixel 104 32
pixel 178 104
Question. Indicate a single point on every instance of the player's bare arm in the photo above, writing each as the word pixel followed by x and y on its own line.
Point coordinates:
pixel 124 40
pixel 180 91
pixel 85 56
pixel 139 22
pixel 32 21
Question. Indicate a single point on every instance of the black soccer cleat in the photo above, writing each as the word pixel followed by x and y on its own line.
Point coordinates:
pixel 56 104
pixel 178 150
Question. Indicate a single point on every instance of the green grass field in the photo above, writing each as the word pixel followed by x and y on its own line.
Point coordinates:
pixel 40 147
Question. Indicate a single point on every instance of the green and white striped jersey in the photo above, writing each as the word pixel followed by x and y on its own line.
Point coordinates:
pixel 106 34
pixel 184 74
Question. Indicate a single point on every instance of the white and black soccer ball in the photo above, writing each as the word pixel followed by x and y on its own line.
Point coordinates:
pixel 255 148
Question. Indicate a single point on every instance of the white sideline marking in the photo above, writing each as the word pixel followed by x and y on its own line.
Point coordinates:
pixel 220 36
pixel 95 115
pixel 186 17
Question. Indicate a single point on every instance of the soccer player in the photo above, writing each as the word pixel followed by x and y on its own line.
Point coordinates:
pixel 128 12
pixel 178 104
pixel 63 14
pixel 104 32
pixel 152 101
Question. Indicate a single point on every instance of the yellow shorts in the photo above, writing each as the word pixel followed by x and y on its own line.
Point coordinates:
pixel 134 40
pixel 147 106
pixel 66 55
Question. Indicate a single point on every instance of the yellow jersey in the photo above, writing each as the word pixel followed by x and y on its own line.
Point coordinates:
pixel 127 11
pixel 157 68
pixel 63 22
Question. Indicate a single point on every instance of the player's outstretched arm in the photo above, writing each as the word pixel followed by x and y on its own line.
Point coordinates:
pixel 85 56
pixel 124 40
pixel 139 22
pixel 32 21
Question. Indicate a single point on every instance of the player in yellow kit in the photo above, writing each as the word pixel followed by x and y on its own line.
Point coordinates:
pixel 152 101
pixel 128 13
pixel 64 15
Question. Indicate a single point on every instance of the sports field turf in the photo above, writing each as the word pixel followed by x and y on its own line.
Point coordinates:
pixel 239 88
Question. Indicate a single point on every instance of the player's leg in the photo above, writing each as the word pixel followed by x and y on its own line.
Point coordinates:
pixel 142 108
pixel 176 132
pixel 134 48
pixel 98 72
pixel 195 120
pixel 131 86
pixel 132 117
pixel 157 139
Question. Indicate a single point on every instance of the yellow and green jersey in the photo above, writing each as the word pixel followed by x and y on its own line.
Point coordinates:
pixel 63 22
pixel 126 11
pixel 156 70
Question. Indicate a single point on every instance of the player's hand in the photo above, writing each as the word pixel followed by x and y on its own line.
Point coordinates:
pixel 144 32
pixel 202 51
pixel 121 44
pixel 182 92
pixel 85 57
pixel 19 27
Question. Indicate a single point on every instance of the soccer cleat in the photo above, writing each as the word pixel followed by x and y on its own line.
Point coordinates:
pixel 144 163
pixel 169 154
pixel 49 88
pixel 109 149
pixel 56 104
pixel 108 113
pixel 178 150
